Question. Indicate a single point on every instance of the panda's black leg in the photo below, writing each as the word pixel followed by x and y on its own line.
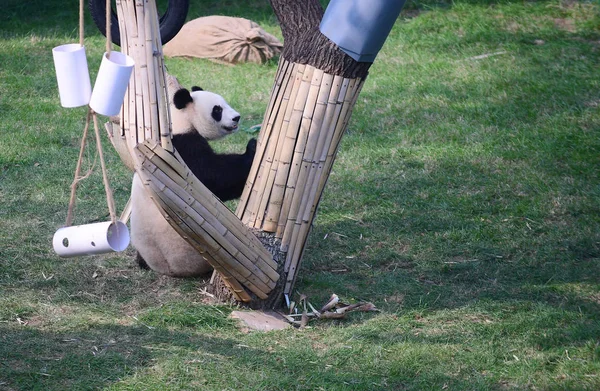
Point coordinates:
pixel 141 262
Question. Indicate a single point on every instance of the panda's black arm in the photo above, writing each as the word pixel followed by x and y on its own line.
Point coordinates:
pixel 224 174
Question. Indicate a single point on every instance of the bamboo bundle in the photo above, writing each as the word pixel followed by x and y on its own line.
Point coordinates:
pixel 145 113
pixel 233 249
pixel 307 116
pixel 144 142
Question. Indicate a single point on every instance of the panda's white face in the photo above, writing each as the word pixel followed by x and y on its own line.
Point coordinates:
pixel 205 112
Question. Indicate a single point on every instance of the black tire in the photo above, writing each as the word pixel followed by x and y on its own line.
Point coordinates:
pixel 170 22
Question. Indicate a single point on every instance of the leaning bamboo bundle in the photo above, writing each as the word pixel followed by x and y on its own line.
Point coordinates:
pixel 306 118
pixel 143 140
pixel 233 250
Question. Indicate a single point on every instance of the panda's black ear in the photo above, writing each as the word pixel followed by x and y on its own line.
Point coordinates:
pixel 182 98
pixel 196 88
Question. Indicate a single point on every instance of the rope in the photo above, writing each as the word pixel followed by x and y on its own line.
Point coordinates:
pixel 108 32
pixel 78 171
pixel 109 197
pixel 81 22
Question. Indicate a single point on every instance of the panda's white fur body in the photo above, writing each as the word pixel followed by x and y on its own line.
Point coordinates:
pixel 159 246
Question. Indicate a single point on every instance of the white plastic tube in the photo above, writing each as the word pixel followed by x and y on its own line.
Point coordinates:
pixel 90 239
pixel 72 75
pixel 111 83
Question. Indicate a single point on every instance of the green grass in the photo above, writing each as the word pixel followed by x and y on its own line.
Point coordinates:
pixel 464 203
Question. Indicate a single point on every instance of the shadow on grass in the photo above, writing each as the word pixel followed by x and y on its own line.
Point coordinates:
pixel 101 355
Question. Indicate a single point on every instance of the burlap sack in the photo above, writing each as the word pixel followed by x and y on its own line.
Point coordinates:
pixel 224 39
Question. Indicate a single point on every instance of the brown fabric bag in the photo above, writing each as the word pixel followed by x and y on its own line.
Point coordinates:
pixel 224 39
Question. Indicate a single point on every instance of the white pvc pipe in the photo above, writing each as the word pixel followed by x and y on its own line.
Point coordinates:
pixel 111 83
pixel 90 239
pixel 72 75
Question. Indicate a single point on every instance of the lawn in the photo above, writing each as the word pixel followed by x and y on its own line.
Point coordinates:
pixel 464 203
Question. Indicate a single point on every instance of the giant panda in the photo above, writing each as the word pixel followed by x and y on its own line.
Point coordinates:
pixel 197 116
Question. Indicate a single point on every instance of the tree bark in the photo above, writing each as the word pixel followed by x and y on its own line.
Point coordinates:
pixel 304 43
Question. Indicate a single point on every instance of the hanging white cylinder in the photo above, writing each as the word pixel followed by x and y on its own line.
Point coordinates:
pixel 90 239
pixel 72 75
pixel 111 83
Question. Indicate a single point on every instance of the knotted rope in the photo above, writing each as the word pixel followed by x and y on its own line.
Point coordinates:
pixel 77 178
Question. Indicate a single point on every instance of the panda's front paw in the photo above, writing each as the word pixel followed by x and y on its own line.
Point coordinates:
pixel 251 147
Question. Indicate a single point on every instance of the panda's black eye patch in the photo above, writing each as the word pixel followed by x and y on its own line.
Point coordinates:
pixel 217 113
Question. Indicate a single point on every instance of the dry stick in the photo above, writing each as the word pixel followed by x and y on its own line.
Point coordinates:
pixel 319 122
pixel 307 121
pixel 262 138
pixel 281 127
pixel 76 179
pixel 270 142
pixel 287 150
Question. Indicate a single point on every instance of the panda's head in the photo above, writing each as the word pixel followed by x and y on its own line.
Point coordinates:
pixel 203 111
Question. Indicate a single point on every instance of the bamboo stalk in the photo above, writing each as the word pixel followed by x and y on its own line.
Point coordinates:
pixel 131 106
pixel 216 230
pixel 264 190
pixel 152 76
pixel 162 96
pixel 269 146
pixel 187 180
pixel 294 259
pixel 287 151
pixel 328 87
pixel 142 66
pixel 305 126
pixel 302 223
pixel 123 118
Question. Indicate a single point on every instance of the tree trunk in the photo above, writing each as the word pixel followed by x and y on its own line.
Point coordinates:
pixel 311 102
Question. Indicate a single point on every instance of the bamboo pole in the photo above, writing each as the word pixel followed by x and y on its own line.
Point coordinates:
pixel 287 151
pixel 272 160
pixel 269 146
pixel 152 75
pixel 296 165
pixel 263 135
pixel 306 175
pixel 346 102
